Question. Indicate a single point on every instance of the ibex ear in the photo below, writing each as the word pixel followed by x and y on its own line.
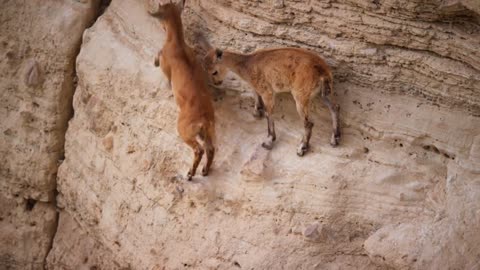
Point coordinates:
pixel 219 54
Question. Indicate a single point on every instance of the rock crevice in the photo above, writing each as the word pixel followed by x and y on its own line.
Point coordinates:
pixel 38 44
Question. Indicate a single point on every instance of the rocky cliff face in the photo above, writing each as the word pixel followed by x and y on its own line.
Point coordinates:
pixel 424 49
pixel 39 41
pixel 401 191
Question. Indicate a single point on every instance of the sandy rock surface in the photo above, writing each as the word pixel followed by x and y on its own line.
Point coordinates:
pixel 401 191
pixel 39 41
pixel 75 249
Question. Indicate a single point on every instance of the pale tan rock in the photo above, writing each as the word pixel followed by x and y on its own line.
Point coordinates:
pixel 448 241
pixel 33 74
pixel 403 181
pixel 39 41
pixel 254 168
pixel 108 142
pixel 381 45
pixel 75 249
pixel 26 231
pixel 315 232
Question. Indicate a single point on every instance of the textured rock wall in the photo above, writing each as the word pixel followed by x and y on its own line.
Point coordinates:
pixel 75 249
pixel 384 52
pixel 417 48
pixel 39 41
pixel 401 192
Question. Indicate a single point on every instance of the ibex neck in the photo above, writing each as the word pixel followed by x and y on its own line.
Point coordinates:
pixel 236 62
pixel 174 28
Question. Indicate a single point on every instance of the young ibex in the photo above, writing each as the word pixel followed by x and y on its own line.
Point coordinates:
pixel 270 71
pixel 196 121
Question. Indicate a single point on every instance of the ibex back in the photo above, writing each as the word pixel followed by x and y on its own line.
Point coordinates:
pixel 270 71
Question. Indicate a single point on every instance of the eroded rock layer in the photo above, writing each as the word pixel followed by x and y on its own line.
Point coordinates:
pixel 403 47
pixel 39 41
pixel 400 192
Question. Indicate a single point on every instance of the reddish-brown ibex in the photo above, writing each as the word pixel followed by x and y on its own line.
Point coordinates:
pixel 271 71
pixel 196 121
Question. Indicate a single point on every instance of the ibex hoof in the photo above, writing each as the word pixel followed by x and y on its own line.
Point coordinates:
pixel 334 140
pixel 204 171
pixel 302 149
pixel 258 113
pixel 267 145
pixel 189 176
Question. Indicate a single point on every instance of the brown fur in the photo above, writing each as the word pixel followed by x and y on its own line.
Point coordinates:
pixel 196 123
pixel 270 71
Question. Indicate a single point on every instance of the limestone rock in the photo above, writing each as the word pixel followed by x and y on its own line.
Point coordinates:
pixel 39 41
pixel 448 241
pixel 26 231
pixel 409 48
pixel 407 83
pixel 83 252
pixel 254 168
pixel 316 232
pixel 400 192
pixel 33 74
pixel 34 119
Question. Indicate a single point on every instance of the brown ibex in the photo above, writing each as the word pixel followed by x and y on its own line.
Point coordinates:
pixel 196 120
pixel 270 71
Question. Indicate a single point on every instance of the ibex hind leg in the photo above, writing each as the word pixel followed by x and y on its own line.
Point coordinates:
pixel 210 151
pixel 197 157
pixel 206 137
pixel 259 110
pixel 334 109
pixel 303 109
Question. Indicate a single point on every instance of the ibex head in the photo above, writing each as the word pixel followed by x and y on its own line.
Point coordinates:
pixel 162 8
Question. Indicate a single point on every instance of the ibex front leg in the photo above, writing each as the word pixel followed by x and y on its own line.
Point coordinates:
pixel 269 101
pixel 259 110
pixel 303 108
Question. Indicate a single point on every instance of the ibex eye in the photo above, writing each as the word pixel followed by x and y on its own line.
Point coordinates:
pixel 215 73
